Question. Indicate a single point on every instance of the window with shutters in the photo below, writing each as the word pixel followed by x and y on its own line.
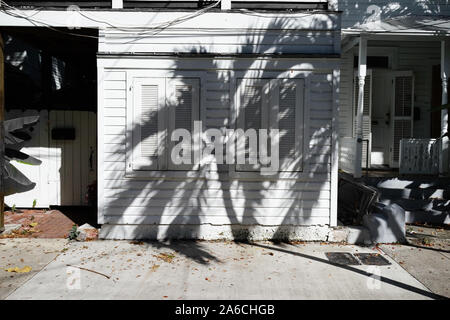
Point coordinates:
pixel 160 106
pixel 272 104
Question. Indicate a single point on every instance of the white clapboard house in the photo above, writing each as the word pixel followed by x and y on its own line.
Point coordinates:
pixel 166 65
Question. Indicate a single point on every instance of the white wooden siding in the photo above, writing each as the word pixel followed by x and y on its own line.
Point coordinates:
pixel 218 40
pixel 217 196
pixel 225 33
pixel 65 172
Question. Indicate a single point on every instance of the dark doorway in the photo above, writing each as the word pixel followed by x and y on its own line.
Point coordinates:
pixel 436 100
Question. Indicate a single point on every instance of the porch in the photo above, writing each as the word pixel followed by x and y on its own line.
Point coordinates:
pixel 393 78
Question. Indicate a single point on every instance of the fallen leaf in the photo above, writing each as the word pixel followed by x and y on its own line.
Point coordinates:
pixel 166 257
pixel 19 270
pixel 155 267
pixel 33 224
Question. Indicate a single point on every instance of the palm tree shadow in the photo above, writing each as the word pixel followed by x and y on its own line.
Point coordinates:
pixel 180 206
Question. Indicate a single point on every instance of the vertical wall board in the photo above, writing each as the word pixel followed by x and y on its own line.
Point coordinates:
pixel 54 165
pixel 44 151
pixel 76 159
pixel 92 146
pixel 84 155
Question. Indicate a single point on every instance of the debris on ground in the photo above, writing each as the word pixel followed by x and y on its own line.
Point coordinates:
pixel 86 269
pixel 38 223
pixel 154 267
pixel 166 257
pixel 87 233
pixel 25 269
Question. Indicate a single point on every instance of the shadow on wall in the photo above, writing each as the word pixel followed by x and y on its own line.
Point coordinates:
pixel 170 204
pixel 356 12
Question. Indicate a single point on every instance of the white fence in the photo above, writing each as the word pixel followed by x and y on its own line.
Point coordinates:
pixel 419 156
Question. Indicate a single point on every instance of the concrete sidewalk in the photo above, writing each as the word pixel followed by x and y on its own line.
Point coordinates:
pixel 215 270
pixel 35 253
pixel 426 257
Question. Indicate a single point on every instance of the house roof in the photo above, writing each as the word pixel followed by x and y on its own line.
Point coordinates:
pixel 405 25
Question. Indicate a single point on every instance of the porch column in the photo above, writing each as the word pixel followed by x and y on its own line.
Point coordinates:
pixel 225 5
pixel 362 71
pixel 445 74
pixel 117 4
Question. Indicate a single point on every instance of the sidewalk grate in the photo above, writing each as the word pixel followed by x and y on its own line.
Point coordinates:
pixel 373 259
pixel 344 258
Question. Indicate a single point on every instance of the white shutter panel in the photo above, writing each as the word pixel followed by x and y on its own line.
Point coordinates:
pixel 402 111
pixel 367 115
pixel 184 103
pixel 148 123
pixel 287 99
pixel 252 107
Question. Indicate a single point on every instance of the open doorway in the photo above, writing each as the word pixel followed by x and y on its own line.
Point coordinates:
pixel 388 115
pixel 52 73
pixel 436 100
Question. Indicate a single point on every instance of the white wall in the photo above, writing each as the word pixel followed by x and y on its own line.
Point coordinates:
pixel 216 198
pixel 221 197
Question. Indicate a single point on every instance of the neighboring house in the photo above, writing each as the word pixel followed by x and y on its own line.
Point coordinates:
pixel 395 62
pixel 161 69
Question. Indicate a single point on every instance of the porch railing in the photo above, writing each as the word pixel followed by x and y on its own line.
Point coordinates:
pixel 419 156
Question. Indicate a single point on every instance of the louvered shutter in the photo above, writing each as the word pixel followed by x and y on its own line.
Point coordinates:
pixel 402 111
pixel 367 115
pixel 183 99
pixel 286 115
pixel 148 123
pixel 252 106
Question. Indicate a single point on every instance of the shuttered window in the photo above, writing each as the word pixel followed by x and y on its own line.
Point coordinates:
pixel 183 100
pixel 403 106
pixel 160 105
pixel 287 117
pixel 252 114
pixel 149 120
pixel 272 104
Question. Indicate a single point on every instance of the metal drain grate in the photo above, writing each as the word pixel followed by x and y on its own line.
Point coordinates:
pixel 344 258
pixel 373 259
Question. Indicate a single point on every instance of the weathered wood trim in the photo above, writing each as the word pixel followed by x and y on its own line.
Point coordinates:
pixel 100 141
pixel 335 150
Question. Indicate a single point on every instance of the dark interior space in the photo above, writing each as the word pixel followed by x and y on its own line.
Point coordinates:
pixel 55 67
pixel 436 99
pixel 79 214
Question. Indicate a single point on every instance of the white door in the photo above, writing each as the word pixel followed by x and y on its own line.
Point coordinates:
pixel 381 110
pixel 402 112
